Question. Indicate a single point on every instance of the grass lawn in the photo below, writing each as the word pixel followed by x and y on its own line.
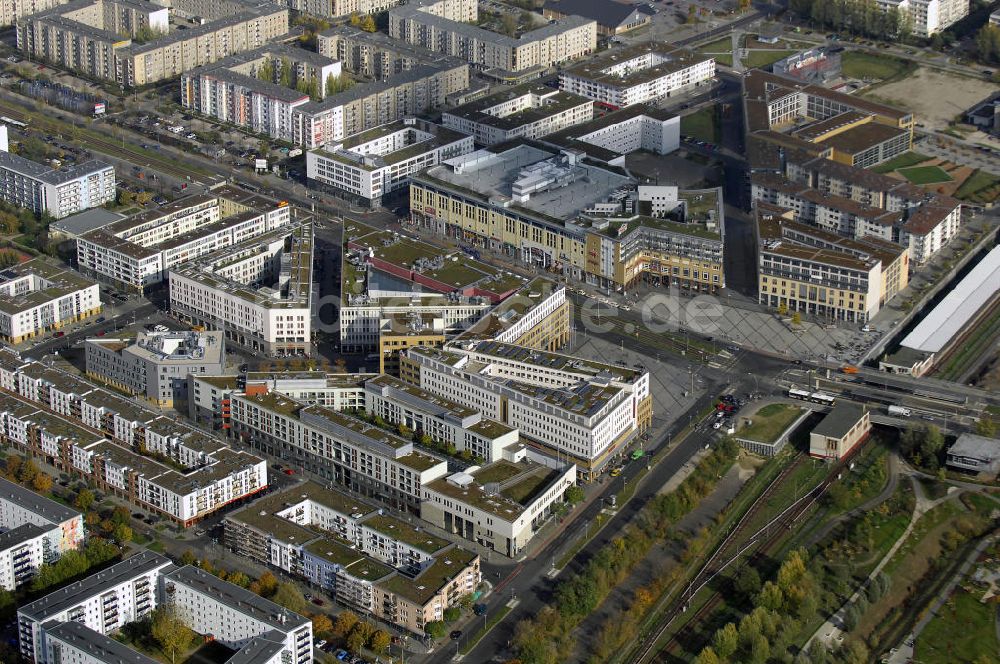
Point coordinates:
pixel 962 631
pixel 724 45
pixel 703 125
pixel 857 64
pixel 904 160
pixel 976 182
pixel 924 174
pixel 770 422
pixel 724 59
pixel 764 58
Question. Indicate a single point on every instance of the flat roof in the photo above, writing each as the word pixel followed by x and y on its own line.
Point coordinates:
pixel 521 483
pixel 552 101
pixel 840 420
pixel 48 175
pixel 575 137
pixel 672 59
pixel 260 650
pixel 88 220
pixel 430 581
pixel 67 597
pixel 958 307
pixel 863 137
pixel 976 447
pixel 610 14
pixel 53 281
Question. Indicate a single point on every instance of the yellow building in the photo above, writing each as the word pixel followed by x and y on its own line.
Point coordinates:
pixel 395 336
pixel 806 269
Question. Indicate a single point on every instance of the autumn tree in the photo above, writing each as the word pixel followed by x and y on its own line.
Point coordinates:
pixel 322 624
pixel 169 631
pixel 85 499
pixel 707 656
pixel 368 24
pixel 268 584
pixel 379 642
pixel 345 622
pixel 726 641
pixel 42 483
pixel 289 596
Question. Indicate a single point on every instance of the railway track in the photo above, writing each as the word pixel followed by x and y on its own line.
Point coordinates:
pixel 104 145
pixel 736 546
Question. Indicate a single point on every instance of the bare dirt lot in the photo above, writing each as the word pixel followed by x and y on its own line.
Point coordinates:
pixel 933 96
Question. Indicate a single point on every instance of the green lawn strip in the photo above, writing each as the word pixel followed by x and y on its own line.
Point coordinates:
pixel 925 174
pixel 973 348
pixel 724 45
pixel 724 59
pixel 961 631
pixel 491 622
pixel 861 65
pixel 909 158
pixel 770 422
pixel 765 58
pixel 702 124
pixel 928 522
pixel 976 182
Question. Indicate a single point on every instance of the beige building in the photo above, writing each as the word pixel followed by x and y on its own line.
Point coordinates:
pixel 102 38
pixel 338 8
pixel 844 428
pixel 448 26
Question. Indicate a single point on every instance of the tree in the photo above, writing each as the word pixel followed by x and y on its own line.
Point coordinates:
pixel 290 597
pixel 796 318
pixel 782 309
pixel 435 629
pixel 345 622
pixel 771 597
pixel 355 19
pixel 574 495
pixel 85 499
pixel 760 650
pixel 26 474
pixel 239 579
pixel 355 641
pixel 368 24
pixel 42 483
pixel 508 24
pixel 188 557
pixel 143 197
pixel 452 613
pixel 707 656
pixel 123 534
pixel 169 631
pixel 268 584
pixel 11 466
pixel 125 197
pixel 986 427
pixel 379 642
pixel 747 583
pixel 726 640
pixel 322 624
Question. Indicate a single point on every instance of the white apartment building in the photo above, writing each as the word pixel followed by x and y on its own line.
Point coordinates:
pixel 334 446
pixel 235 616
pixel 444 421
pixel 208 396
pixel 258 292
pixel 495 516
pixel 103 602
pixel 529 111
pixel 637 75
pixel 618 134
pixel 58 192
pixel 73 643
pixel 572 406
pixel 367 166
pixel 155 365
pixel 448 26
pixel 136 252
pixel 231 89
pixel 35 531
pixel 38 296
pixel 928 16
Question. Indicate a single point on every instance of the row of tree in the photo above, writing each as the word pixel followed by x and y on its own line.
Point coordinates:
pixel 547 638
pixel 864 18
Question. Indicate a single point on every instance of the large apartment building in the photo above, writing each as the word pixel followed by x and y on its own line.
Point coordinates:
pixel 639 74
pixel 578 409
pixel 233 90
pixel 90 432
pixel 155 365
pixel 36 532
pixel 527 111
pixel 89 36
pixel 342 8
pixel 334 446
pixel 257 292
pixel 103 603
pixel 137 252
pixel 56 192
pixel 803 268
pixel 368 166
pixel 447 26
pixel 39 296
pixel 928 16
pixel 384 566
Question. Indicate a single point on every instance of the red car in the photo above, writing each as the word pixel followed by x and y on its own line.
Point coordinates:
pixel 289 471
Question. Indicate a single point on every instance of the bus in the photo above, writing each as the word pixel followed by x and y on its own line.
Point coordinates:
pixel 795 393
pixel 822 398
